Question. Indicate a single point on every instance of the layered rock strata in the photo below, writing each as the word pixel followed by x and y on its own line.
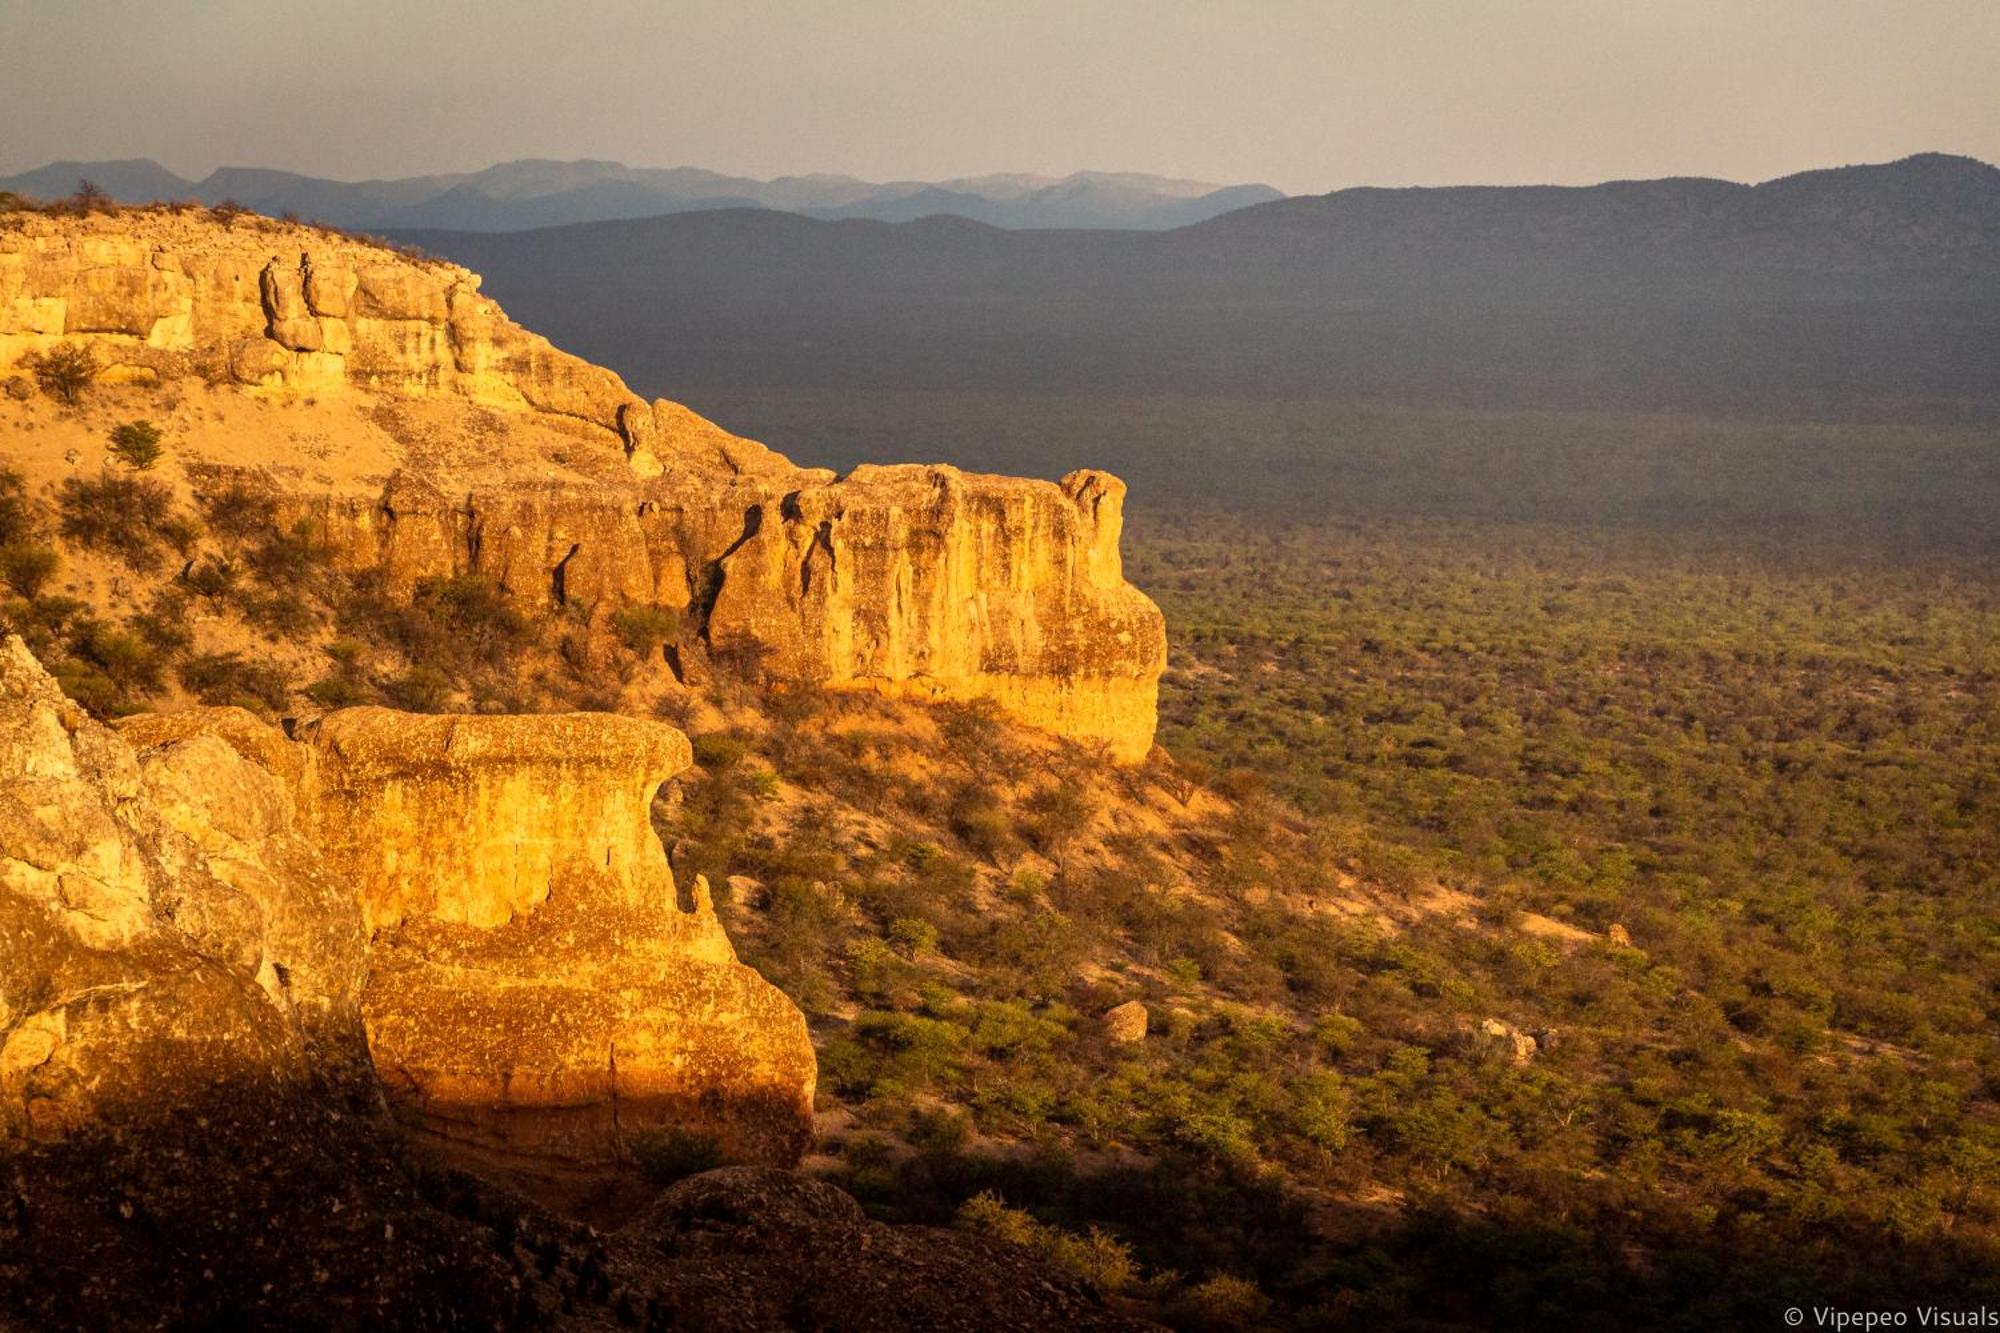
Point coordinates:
pixel 913 581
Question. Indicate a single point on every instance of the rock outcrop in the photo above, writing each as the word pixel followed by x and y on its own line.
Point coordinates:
pixel 189 1133
pixel 541 999
pixel 198 902
pixel 762 1249
pixel 197 914
pixel 912 581
pixel 165 928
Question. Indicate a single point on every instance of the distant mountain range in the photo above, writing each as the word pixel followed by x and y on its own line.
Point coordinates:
pixel 1859 292
pixel 534 193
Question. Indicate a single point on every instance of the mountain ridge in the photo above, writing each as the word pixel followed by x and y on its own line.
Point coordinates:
pixel 1847 293
pixel 537 192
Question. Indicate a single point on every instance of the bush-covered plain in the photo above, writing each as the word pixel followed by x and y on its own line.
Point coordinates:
pixel 1714 825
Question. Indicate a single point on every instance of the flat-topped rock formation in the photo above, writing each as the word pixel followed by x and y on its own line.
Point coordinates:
pixel 541 997
pixel 541 1000
pixel 194 901
pixel 383 396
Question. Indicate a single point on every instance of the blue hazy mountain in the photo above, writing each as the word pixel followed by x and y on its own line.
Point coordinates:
pixel 530 193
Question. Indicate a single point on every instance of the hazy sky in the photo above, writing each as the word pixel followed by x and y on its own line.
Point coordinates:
pixel 1307 95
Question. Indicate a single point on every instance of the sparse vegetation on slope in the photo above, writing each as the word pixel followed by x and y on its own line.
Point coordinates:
pixel 1516 941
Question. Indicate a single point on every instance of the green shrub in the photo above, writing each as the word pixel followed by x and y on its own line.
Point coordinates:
pixel 419 690
pixel 1336 1033
pixel 226 678
pixel 64 371
pixel 941 1131
pixel 240 514
pixel 338 691
pixel 17 512
pixel 287 561
pixel 127 657
pixel 719 752
pixel 1056 815
pixel 1096 1256
pixel 643 629
pixel 123 515
pixel 280 613
pixel 28 568
pixel 1223 1302
pixel 164 623
pixel 136 444
pixel 455 625
pixel 980 821
pixel 921 1051
pixel 1324 1110
pixel 912 937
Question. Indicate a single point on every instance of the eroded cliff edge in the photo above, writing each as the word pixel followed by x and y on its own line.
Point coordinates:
pixel 384 400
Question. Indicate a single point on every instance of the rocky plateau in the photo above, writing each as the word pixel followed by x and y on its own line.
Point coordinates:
pixel 383 398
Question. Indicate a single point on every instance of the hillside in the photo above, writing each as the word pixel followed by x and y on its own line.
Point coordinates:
pixel 1856 294
pixel 511 196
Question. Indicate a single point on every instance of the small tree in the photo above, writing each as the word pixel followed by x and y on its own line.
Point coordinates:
pixel 27 568
pixel 91 198
pixel 64 371
pixel 136 444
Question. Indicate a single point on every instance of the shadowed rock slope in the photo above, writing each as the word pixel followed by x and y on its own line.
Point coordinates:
pixel 421 434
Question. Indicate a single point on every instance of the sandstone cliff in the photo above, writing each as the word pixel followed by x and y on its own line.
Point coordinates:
pixel 385 399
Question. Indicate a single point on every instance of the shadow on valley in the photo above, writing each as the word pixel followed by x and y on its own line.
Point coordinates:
pixel 1597 1256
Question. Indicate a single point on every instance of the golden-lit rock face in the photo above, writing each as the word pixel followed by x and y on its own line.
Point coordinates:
pixel 166 933
pixel 540 997
pixel 189 905
pixel 921 582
